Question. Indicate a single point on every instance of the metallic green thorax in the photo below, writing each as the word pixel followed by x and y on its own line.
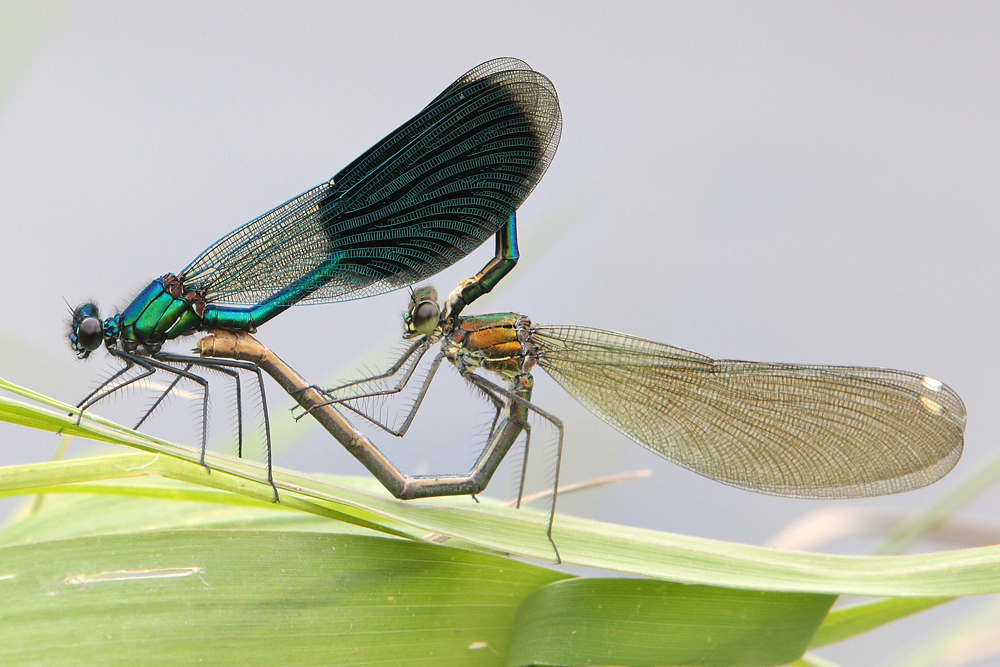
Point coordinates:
pixel 161 312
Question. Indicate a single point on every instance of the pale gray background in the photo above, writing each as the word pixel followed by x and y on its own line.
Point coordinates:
pixel 788 182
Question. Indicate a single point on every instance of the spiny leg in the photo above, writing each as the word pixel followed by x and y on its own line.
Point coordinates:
pixel 521 394
pixel 392 370
pixel 150 366
pixel 524 470
pixel 227 367
pixel 219 368
pixel 221 365
pixel 411 412
pixel 103 391
pixel 235 375
pixel 86 402
pixel 168 358
pixel 499 404
pixel 422 346
pixel 167 368
pixel 128 365
pixel 163 395
pixel 239 395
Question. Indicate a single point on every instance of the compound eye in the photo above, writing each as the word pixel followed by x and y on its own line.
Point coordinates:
pixel 425 317
pixel 90 333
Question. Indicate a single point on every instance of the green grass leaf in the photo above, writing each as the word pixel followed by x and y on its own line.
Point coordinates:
pixel 643 622
pixel 254 598
pixel 488 526
pixel 121 523
pixel 847 622
pixel 628 621
pixel 131 506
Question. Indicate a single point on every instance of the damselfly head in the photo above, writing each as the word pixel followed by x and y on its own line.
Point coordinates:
pixel 86 332
pixel 423 314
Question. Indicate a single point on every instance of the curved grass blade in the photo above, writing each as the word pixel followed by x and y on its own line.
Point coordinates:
pixel 590 543
pixel 152 503
pixel 847 622
pixel 522 532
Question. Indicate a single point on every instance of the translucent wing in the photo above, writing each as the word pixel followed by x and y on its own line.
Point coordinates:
pixel 415 203
pixel 783 429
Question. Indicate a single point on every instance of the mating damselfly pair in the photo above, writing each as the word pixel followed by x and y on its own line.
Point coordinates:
pixel 427 195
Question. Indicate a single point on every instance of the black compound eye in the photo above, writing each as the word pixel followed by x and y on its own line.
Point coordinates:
pixel 90 333
pixel 425 317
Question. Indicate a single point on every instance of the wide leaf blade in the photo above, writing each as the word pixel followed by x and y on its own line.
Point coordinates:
pixel 257 598
pixel 644 623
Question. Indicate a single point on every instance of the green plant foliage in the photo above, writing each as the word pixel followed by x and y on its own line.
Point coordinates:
pixel 164 505
pixel 643 622
pixel 253 598
pixel 628 621
pixel 857 619
pixel 146 558
pixel 582 542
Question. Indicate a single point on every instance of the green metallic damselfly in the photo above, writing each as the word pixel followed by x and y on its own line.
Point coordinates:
pixel 419 200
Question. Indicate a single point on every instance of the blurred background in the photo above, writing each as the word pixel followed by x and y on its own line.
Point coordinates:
pixel 797 183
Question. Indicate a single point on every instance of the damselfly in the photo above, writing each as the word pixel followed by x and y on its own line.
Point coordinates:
pixel 800 431
pixel 415 203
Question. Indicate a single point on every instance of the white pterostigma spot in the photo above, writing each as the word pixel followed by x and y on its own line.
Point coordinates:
pixel 932 384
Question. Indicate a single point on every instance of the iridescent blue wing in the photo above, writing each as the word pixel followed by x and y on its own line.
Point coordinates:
pixel 783 429
pixel 415 203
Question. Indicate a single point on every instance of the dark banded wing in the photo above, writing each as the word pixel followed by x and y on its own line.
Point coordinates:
pixel 415 203
pixel 782 429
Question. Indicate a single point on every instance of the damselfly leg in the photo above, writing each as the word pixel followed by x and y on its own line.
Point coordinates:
pixel 179 366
